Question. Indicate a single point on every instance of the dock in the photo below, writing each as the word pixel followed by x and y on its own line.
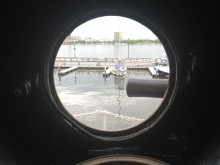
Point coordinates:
pixel 152 71
pixel 103 62
pixel 65 71
pixel 69 64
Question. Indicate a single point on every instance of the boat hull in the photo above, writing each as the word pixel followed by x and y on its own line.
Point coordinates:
pixel 162 70
pixel 118 72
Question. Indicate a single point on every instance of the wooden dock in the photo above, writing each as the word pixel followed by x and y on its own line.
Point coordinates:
pixel 65 71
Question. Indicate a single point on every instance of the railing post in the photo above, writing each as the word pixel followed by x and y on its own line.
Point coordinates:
pixel 104 121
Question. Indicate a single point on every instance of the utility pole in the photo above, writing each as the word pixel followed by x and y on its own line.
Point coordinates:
pixel 128 46
pixel 74 48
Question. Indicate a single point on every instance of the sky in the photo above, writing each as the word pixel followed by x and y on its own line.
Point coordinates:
pixel 104 28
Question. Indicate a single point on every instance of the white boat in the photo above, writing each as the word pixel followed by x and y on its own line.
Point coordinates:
pixel 119 69
pixel 163 60
pixel 162 70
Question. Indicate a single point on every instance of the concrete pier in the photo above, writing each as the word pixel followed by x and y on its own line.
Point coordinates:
pixel 65 71
pixel 103 62
pixel 152 71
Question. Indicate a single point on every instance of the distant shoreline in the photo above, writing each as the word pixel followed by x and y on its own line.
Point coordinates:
pixel 130 42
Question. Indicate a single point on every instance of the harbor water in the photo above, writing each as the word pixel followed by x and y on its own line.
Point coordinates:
pixel 110 50
pixel 82 92
pixel 101 102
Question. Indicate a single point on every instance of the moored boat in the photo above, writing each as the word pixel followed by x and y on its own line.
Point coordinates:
pixel 162 70
pixel 119 69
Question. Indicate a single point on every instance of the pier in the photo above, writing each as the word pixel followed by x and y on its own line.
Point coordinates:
pixel 152 71
pixel 103 62
pixel 69 64
pixel 65 71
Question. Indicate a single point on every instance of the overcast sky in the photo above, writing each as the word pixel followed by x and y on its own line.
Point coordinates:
pixel 104 28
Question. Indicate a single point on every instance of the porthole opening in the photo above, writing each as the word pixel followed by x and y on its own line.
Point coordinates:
pixel 111 74
pixel 122 159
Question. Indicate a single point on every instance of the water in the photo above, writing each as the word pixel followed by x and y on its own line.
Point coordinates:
pixel 100 101
pixel 110 50
pixel 84 91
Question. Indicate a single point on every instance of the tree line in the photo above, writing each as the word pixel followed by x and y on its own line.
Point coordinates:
pixel 127 41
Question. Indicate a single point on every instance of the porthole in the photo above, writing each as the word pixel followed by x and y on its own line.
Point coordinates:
pixel 123 159
pixel 100 85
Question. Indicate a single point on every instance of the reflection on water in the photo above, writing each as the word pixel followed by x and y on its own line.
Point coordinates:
pixel 102 102
pixel 119 85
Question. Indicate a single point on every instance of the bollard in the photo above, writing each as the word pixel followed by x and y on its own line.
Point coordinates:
pixel 146 87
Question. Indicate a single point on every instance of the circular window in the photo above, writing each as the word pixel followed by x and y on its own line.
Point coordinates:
pixel 112 76
pixel 123 159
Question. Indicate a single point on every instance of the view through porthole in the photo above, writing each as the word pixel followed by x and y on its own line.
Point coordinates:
pixel 96 62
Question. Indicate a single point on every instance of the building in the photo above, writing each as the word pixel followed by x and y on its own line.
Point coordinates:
pixel 117 36
pixel 70 38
